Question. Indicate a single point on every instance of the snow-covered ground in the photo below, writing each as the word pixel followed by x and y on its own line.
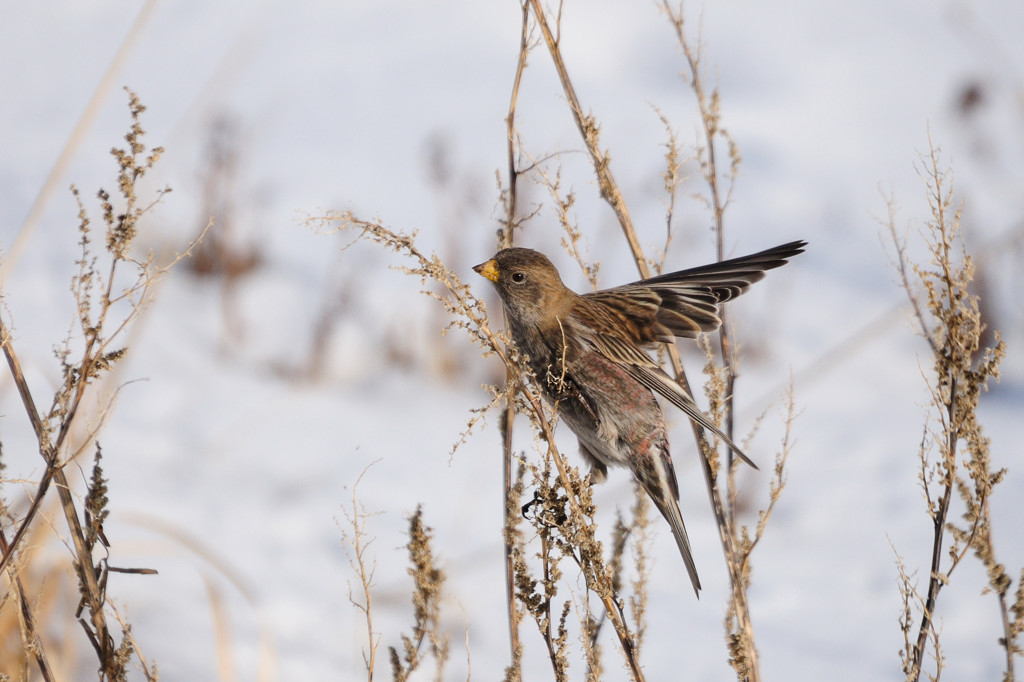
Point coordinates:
pixel 230 477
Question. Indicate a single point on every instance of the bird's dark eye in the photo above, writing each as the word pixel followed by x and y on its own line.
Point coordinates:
pixel 518 277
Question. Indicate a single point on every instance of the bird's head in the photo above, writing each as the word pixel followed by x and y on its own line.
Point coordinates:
pixel 527 282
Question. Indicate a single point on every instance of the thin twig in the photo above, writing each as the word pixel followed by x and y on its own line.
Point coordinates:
pixel 588 129
pixel 506 239
pixel 745 656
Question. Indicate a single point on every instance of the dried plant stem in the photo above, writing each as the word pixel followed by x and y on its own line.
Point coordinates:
pixel 33 415
pixel 610 192
pixel 547 562
pixel 510 514
pixel 600 582
pixel 365 568
pixel 708 108
pixel 739 608
pixel 506 238
pixel 126 629
pixel 589 130
pixel 89 580
pixel 428 579
pixel 954 453
pixel 95 292
pixel 1012 627
pixel 936 578
pixel 54 472
pixel 743 651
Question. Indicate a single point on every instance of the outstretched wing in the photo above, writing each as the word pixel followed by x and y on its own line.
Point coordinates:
pixel 686 303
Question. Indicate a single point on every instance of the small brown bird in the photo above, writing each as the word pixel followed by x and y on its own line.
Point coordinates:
pixel 587 353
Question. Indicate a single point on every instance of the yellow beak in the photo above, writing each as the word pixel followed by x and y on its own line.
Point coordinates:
pixel 488 270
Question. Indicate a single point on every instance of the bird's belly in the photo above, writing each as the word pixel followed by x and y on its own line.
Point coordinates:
pixel 611 413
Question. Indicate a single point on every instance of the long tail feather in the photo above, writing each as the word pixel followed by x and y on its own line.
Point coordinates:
pixel 670 510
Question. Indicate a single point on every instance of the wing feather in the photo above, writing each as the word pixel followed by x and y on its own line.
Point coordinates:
pixel 686 303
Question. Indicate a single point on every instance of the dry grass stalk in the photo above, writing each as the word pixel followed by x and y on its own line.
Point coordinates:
pixel 515 551
pixel 357 546
pixel 640 534
pixel 722 383
pixel 510 196
pixel 537 594
pixel 428 580
pixel 590 132
pixel 506 235
pixel 954 453
pixel 673 179
pixel 108 298
pixel 717 200
pixel 511 533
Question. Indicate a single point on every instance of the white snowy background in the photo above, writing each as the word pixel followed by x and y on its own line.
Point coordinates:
pixel 229 475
